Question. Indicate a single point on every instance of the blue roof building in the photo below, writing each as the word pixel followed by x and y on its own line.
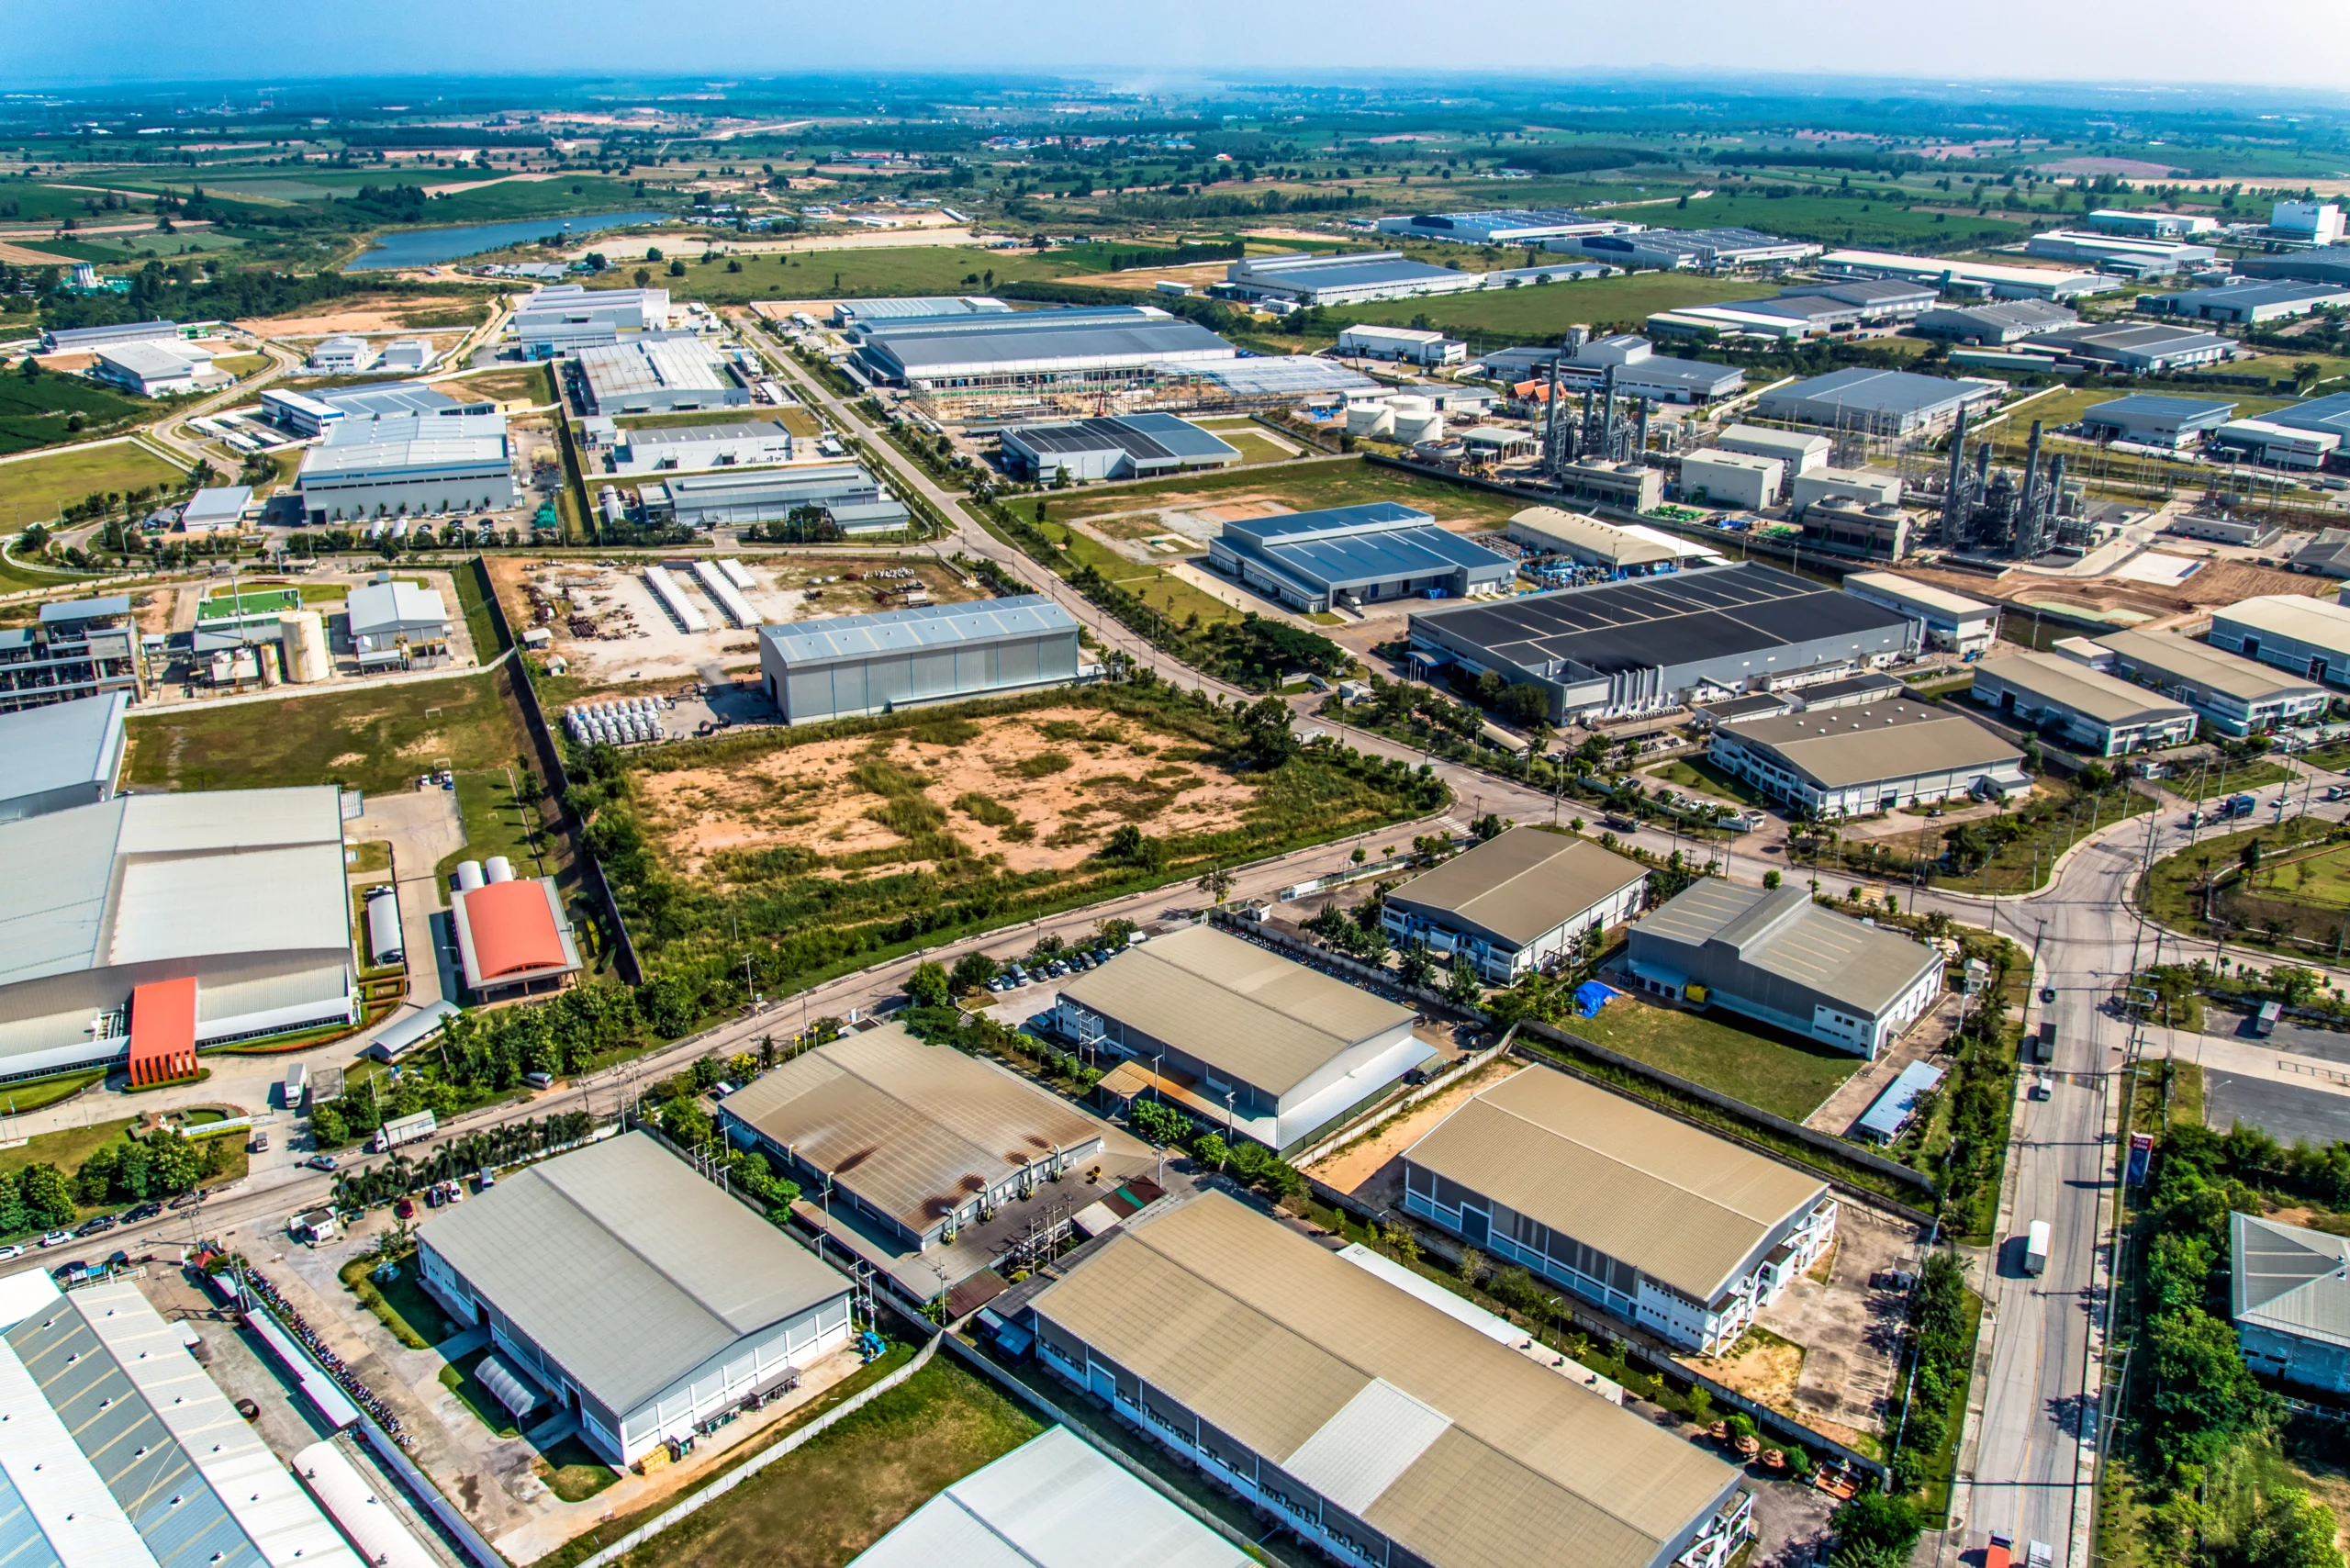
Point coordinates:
pixel 1894 1107
pixel 1359 553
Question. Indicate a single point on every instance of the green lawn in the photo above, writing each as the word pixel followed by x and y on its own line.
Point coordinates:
pixel 1874 224
pixel 18 1098
pixel 38 413
pixel 2238 778
pixel 15 578
pixel 1543 310
pixel 66 1149
pixel 505 385
pixel 415 1320
pixel 830 1499
pixel 33 489
pixel 376 739
pixel 1765 1068
pixel 497 823
pixel 838 274
pixel 460 1378
pixel 1303 486
pixel 1699 774
pixel 574 1472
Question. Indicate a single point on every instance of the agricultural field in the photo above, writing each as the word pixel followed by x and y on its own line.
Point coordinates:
pixel 35 489
pixel 1306 487
pixel 1836 221
pixel 140 246
pixel 828 843
pixel 1767 1067
pixel 862 272
pixel 375 739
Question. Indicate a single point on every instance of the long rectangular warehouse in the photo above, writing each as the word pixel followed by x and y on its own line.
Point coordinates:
pixel 1375 1425
pixel 846 492
pixel 1684 1233
pixel 1356 554
pixel 1612 648
pixel 873 664
pixel 1103 346
pixel 408 463
pixel 656 376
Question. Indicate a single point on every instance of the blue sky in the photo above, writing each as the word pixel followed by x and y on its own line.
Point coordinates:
pixel 2279 43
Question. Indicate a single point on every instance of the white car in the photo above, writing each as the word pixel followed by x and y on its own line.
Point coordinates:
pixel 14 1249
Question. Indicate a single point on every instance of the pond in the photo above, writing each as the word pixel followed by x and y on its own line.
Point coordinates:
pixel 429 247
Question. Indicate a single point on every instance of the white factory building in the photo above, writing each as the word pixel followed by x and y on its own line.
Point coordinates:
pixel 1343 280
pixel 1720 478
pixel 2308 637
pixel 1799 453
pixel 155 367
pixel 408 465
pixel 1516 901
pixel 1403 343
pixel 564 318
pixel 1953 622
pixel 656 376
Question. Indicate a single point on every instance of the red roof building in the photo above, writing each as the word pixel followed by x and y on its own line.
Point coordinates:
pixel 162 1032
pixel 512 937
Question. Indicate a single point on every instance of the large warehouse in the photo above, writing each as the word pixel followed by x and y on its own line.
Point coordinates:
pixel 2234 696
pixel 1054 1502
pixel 1091 348
pixel 1852 761
pixel 411 465
pixel 1663 1225
pixel 2092 713
pixel 1640 371
pixel 1775 956
pixel 122 1452
pixel 564 318
pixel 1874 402
pixel 1514 901
pixel 1696 250
pixel 2150 420
pixel 1612 648
pixel 920 1141
pixel 1375 1425
pixel 1358 554
pixel 631 1293
pixel 1343 280
pixel 1240 1036
pixel 1501 226
pixel 2289 1294
pixel 1995 279
pixel 61 754
pixel 243 891
pixel 848 495
pixel 656 376
pixel 1953 623
pixel 2304 637
pixel 2247 304
pixel 873 664
pixel 1132 447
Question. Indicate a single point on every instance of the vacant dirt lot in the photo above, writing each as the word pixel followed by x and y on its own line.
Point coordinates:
pixel 362 316
pixel 1040 789
pixel 2216 583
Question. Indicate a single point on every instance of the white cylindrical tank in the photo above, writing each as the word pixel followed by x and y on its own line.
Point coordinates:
pixel 1372 418
pixel 1414 427
pixel 497 869
pixel 303 636
pixel 468 875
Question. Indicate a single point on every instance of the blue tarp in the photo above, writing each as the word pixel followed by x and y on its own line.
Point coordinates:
pixel 1590 997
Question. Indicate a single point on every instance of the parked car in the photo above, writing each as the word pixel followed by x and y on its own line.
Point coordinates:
pixel 320 1163
pixel 72 1273
pixel 404 1208
pixel 14 1249
pixel 56 1238
pixel 142 1214
pixel 99 1225
pixel 2043 1088
pixel 184 1199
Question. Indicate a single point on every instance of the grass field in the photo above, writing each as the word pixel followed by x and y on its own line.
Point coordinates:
pixel 1301 487
pixel 15 578
pixel 499 824
pixel 1544 310
pixel 1696 773
pixel 573 1470
pixel 376 740
pixel 403 1306
pixel 1253 447
pixel 2243 776
pixel 1168 594
pixel 849 273
pixel 1832 220
pixel 33 489
pixel 18 1098
pixel 1768 1070
pixel 830 1499
pixel 505 385
pixel 37 413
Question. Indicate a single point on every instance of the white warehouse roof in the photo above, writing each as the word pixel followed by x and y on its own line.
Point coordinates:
pixel 929 626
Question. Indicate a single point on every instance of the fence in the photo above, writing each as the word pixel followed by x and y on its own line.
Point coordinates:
pixel 743 1472
pixel 1833 1148
pixel 550 757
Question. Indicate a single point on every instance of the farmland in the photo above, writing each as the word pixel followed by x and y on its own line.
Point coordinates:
pixel 856 273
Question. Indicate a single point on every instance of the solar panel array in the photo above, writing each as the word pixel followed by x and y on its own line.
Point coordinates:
pixel 1651 622
pixel 1092 435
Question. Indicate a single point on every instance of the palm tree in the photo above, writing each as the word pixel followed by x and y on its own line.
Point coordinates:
pixel 1216 882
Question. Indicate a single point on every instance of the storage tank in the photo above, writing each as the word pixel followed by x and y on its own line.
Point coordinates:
pixel 302 634
pixel 468 875
pixel 1414 426
pixel 498 868
pixel 1371 419
pixel 384 942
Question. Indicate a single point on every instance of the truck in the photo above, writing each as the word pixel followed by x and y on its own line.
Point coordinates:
pixel 2000 1553
pixel 2264 1023
pixel 2035 1247
pixel 2235 806
pixel 2045 1046
pixel 404 1130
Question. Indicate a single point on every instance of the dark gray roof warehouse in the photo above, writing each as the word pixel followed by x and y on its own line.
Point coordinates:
pixel 1628 645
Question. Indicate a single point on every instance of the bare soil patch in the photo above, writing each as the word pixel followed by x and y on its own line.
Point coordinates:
pixel 359 316
pixel 1038 789
pixel 2217 583
pixel 1761 1366
pixel 1371 1164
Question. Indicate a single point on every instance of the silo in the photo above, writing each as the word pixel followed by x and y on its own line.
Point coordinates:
pixel 498 868
pixel 468 875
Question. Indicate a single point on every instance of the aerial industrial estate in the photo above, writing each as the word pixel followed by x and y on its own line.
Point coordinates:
pixel 752 823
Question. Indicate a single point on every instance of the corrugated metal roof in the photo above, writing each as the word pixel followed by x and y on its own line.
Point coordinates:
pixel 915 1131
pixel 1890 1112
pixel 927 626
pixel 394 606
pixel 2320 623
pixel 60 745
pixel 1926 596
pixel 1784 933
pixel 1235 1006
pixel 2289 1278
pixel 2058 680
pixel 1053 1502
pixel 1389 556
pixel 1677 1203
pixel 1578 534
pixel 627 1268
pixel 1841 749
pixel 1270 1338
pixel 1521 884
pixel 2167 654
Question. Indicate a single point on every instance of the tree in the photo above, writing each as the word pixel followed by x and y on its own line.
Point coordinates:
pixel 1877 1522
pixel 1417 968
pixel 48 1200
pixel 1211 1148
pixel 1270 743
pixel 1770 879
pixel 2289 1530
pixel 642 276
pixel 1216 882
pixel 677 269
pixel 928 985
pixel 2205 1398
pixel 972 972
pixel 1129 846
pixel 1461 987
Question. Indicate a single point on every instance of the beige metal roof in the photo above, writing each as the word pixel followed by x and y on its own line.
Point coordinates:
pixel 1460 1448
pixel 1234 1006
pixel 1839 748
pixel 914 1131
pixel 1679 1204
pixel 1783 932
pixel 1925 595
pixel 2289 1278
pixel 1576 533
pixel 2197 664
pixel 626 1267
pixel 2060 681
pixel 2321 622
pixel 1521 885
